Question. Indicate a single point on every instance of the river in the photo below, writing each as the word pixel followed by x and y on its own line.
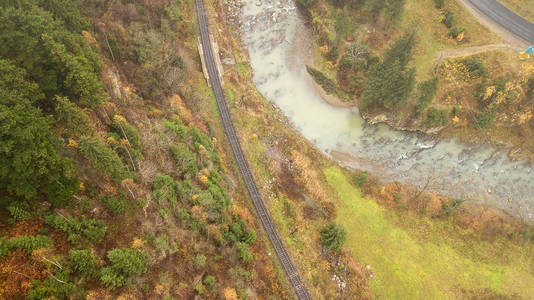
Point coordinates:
pixel 278 46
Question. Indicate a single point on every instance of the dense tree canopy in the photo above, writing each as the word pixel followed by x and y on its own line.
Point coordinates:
pixel 390 81
pixel 58 60
pixel 29 161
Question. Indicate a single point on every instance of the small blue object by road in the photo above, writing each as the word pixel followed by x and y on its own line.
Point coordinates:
pixel 530 49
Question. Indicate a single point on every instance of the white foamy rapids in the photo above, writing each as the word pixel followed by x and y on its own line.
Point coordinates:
pixel 481 174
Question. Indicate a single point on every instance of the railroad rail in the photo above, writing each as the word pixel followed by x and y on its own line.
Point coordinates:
pixel 283 256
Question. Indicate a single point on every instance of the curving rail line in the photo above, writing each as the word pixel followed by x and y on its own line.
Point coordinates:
pixel 261 210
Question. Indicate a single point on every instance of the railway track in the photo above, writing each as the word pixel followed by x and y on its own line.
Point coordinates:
pixel 261 210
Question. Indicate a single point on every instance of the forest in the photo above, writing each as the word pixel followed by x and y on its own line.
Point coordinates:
pixel 111 185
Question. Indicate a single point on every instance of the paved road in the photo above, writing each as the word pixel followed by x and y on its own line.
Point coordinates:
pixel 261 210
pixel 506 18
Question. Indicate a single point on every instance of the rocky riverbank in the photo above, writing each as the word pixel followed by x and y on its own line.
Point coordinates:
pixel 481 174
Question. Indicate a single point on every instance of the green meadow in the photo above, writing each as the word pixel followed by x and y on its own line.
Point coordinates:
pixel 415 257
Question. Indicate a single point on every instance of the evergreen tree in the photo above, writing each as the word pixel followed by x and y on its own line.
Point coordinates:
pixel 102 157
pixel 427 92
pixel 401 50
pixel 343 24
pixel 333 236
pixel 390 82
pixel 375 6
pixel 393 11
pixel 29 161
pixel 125 264
pixel 59 61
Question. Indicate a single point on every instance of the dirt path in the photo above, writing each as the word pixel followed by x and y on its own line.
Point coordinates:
pixel 462 52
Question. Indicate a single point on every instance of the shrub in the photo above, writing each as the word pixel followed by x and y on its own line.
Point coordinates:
pixel 185 190
pixel 240 273
pixel 306 3
pixel 326 83
pixel 185 160
pixel 141 202
pixel 217 192
pixel 125 263
pixel 75 119
pixel 529 89
pixel 85 204
pixel 437 117
pixel 183 215
pixel 19 211
pixel 361 178
pixel 114 204
pixel 129 132
pixel 78 230
pixel 199 261
pixel 30 243
pixel 243 252
pixel 4 247
pixel 209 205
pixel 27 243
pixel 102 157
pixel 163 213
pixel 343 25
pixel 480 92
pixel 333 236
pixel 397 197
pixel 52 289
pixel 448 20
pixel 427 92
pixel 176 127
pixel 209 281
pixel 333 54
pixel 237 232
pixel 456 110
pixel 249 237
pixel 439 3
pixel 161 243
pixel 163 189
pixel 485 118
pixel 455 31
pixel 373 60
pixel 394 10
pixel 83 262
pixel 475 67
pixel 199 287
pixel 200 138
pixel 451 206
pixel 357 83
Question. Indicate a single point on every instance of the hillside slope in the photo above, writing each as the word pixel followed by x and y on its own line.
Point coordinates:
pixel 113 179
pixel 384 57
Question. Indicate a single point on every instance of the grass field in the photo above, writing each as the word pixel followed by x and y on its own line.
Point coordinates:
pixel 419 258
pixel 433 35
pixel 524 8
